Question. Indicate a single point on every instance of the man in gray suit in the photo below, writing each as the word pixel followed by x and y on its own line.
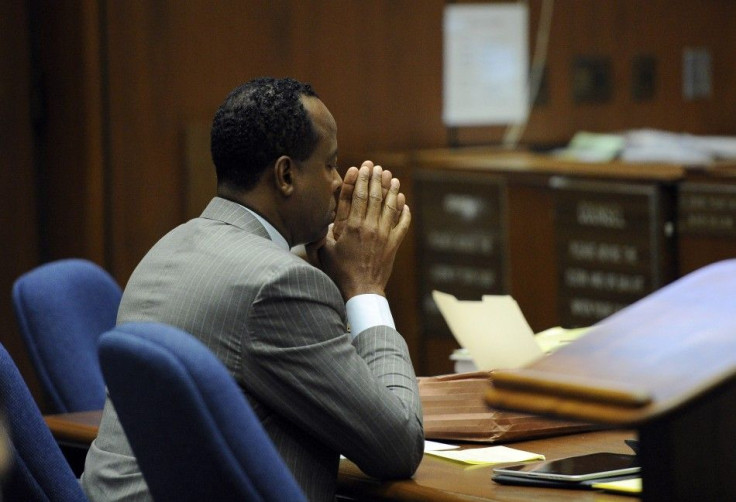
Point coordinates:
pixel 311 342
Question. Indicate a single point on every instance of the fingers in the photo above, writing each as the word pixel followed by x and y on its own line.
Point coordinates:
pixel 390 213
pixel 359 204
pixel 386 181
pixel 401 229
pixel 369 195
pixel 400 202
pixel 345 200
pixel 375 198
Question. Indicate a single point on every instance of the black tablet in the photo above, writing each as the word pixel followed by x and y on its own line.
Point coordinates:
pixel 575 469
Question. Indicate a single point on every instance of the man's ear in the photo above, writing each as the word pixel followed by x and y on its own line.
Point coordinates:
pixel 283 170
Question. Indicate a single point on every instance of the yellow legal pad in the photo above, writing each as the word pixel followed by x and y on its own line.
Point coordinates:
pixel 632 485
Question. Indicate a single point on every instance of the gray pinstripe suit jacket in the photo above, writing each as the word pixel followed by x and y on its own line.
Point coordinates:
pixel 278 324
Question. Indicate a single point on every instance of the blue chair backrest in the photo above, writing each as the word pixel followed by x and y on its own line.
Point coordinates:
pixel 39 471
pixel 62 308
pixel 191 428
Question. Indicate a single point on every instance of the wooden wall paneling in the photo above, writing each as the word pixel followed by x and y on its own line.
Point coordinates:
pixel 18 197
pixel 70 141
pixel 200 179
pixel 531 242
pixel 377 67
pixel 696 251
pixel 414 72
pixel 711 29
pixel 216 47
pixel 721 118
pixel 146 172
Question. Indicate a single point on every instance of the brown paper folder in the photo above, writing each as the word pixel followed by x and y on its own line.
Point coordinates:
pixel 666 365
pixel 454 410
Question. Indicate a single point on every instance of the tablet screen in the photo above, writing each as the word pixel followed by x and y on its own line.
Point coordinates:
pixel 580 468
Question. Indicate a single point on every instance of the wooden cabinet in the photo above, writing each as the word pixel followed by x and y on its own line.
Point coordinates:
pixel 461 245
pixel 706 217
pixel 614 245
pixel 571 242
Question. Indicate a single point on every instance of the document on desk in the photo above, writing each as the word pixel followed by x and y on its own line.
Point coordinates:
pixel 632 485
pixel 430 446
pixel 493 330
pixel 435 446
pixel 488 455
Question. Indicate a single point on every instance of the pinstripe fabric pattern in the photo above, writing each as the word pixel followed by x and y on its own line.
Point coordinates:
pixel 278 324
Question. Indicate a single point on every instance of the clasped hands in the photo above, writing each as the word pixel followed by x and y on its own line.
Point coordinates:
pixel 371 221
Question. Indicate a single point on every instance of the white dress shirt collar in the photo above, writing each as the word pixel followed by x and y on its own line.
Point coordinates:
pixel 272 232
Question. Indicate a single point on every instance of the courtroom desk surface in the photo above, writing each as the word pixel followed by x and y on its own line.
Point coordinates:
pixel 444 480
pixel 436 479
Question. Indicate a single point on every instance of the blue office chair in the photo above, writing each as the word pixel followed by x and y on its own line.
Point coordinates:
pixel 191 428
pixel 39 471
pixel 62 308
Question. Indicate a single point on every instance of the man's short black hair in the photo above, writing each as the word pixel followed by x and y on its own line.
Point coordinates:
pixel 258 122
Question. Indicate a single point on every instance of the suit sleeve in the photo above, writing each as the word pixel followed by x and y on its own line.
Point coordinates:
pixel 359 397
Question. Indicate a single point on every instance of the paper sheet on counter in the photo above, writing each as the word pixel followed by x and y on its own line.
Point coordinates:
pixel 488 455
pixel 430 446
pixel 436 446
pixel 493 330
pixel 632 485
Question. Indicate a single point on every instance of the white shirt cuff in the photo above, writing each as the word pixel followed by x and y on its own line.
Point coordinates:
pixel 366 311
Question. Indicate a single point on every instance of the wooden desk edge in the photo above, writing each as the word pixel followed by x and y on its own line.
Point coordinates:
pixel 353 483
pixel 570 387
pixel 566 408
pixel 79 427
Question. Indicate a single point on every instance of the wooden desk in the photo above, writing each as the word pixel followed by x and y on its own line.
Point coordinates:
pixel 76 429
pixel 436 479
pixel 443 480
pixel 665 365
